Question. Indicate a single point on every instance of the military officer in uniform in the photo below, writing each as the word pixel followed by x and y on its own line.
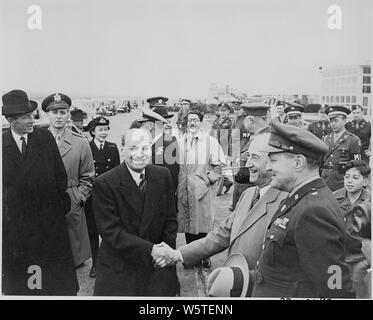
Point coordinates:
pixel 343 147
pixel 77 117
pixel 280 108
pixel 78 160
pixel 304 246
pixel 221 130
pixel 238 140
pixel 105 157
pixel 164 145
pixel 182 115
pixel 156 102
pixel 322 127
pixel 294 112
pixel 361 128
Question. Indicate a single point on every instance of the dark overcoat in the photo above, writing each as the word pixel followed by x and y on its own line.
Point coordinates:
pixel 34 228
pixel 129 224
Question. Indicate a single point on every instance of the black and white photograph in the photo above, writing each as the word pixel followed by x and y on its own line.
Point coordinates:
pixel 186 149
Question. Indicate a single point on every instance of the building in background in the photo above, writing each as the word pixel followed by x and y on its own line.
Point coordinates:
pixel 347 85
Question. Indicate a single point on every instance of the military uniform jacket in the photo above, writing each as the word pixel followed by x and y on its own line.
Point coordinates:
pixel 105 159
pixel 362 129
pixel 165 153
pixel 346 148
pixel 320 128
pixel 304 242
pixel 221 130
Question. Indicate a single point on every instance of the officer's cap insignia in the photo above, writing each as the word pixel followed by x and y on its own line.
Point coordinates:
pixel 160 101
pixel 57 97
pixel 102 120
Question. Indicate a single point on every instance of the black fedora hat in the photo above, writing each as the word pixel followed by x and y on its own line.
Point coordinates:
pixel 163 112
pixel 17 102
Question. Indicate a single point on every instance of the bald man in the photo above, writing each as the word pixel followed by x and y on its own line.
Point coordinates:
pixel 134 210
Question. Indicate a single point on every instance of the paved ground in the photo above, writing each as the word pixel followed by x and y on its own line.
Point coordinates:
pixel 192 281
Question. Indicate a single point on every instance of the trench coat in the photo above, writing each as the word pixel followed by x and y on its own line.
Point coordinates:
pixel 130 223
pixel 241 232
pixel 196 192
pixel 34 228
pixel 78 160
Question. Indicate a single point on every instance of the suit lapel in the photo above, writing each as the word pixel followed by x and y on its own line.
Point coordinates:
pixel 10 146
pixel 129 190
pixel 152 196
pixel 65 145
pixel 258 211
pixel 34 149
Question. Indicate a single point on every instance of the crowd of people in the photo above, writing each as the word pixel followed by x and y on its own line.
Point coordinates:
pixel 300 220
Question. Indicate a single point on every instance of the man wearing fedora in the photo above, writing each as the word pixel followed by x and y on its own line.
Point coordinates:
pixel 77 118
pixel 242 232
pixel 164 144
pixel 35 202
pixel 78 160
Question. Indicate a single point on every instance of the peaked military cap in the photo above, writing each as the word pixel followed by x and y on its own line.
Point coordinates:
pixel 185 101
pixel 56 101
pixel 98 121
pixel 294 108
pixel 150 115
pixel 17 102
pixel 255 109
pixel 78 115
pixel 334 111
pixel 287 138
pixel 224 105
pixel 162 112
pixel 157 102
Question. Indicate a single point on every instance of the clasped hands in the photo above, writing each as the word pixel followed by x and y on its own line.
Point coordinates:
pixel 163 255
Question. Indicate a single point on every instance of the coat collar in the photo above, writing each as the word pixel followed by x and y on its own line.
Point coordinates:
pixel 132 194
pixel 34 149
pixel 289 202
pixel 259 210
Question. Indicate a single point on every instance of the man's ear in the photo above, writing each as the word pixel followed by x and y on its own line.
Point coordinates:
pixel 365 182
pixel 300 162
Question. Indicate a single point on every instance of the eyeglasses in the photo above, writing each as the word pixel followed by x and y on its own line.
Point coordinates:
pixel 194 120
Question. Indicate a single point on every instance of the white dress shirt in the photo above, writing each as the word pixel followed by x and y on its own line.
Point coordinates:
pixel 17 139
pixel 98 144
pixel 136 175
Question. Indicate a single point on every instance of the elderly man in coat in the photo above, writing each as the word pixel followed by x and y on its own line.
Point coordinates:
pixel 78 160
pixel 243 231
pixel 36 253
pixel 134 210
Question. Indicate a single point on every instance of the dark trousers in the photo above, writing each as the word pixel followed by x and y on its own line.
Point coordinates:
pixel 189 237
pixel 92 230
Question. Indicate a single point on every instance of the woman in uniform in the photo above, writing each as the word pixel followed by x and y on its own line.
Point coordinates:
pixel 105 158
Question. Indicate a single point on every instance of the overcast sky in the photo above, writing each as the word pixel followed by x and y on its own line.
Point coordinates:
pixel 178 47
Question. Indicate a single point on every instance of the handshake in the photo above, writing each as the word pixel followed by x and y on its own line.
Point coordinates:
pixel 163 255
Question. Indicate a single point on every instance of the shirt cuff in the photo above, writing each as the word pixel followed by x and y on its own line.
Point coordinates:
pixel 180 256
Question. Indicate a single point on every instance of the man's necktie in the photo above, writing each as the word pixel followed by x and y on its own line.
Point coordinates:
pixel 58 139
pixel 23 151
pixel 101 146
pixel 256 197
pixel 142 184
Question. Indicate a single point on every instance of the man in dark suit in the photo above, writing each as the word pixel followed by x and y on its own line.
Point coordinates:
pixel 77 118
pixel 304 246
pixel 134 210
pixel 105 157
pixel 321 128
pixel 34 206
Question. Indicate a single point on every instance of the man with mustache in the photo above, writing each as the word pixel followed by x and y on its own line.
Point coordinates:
pixel 201 159
pixel 134 210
